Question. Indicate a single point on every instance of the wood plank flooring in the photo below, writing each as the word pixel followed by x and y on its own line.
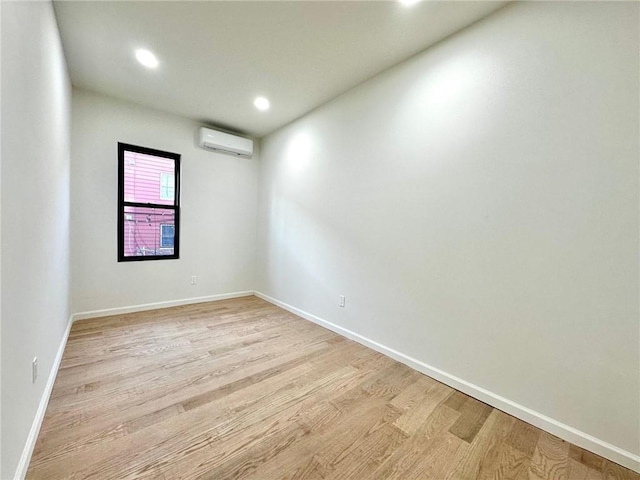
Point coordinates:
pixel 241 389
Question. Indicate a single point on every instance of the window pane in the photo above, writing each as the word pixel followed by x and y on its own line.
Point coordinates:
pixel 148 231
pixel 148 179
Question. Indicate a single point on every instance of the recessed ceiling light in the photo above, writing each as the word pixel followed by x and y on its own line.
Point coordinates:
pixel 146 58
pixel 261 103
pixel 408 3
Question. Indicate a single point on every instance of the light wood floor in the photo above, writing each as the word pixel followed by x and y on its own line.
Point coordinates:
pixel 242 389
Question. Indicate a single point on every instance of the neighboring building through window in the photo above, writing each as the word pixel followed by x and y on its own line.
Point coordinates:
pixel 148 204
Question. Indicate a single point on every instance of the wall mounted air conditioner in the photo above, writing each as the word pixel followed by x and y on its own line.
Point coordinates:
pixel 227 143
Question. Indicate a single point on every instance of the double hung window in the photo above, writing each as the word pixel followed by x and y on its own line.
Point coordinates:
pixel 148 204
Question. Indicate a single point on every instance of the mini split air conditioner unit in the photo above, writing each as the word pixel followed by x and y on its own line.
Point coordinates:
pixel 227 143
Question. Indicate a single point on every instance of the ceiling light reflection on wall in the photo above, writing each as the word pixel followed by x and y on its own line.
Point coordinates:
pixel 408 3
pixel 146 58
pixel 298 153
pixel 261 103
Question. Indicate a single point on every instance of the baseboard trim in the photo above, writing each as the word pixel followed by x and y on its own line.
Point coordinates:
pixel 566 432
pixel 154 306
pixel 27 451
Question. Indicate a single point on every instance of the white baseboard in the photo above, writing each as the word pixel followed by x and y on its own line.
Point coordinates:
pixel 566 432
pixel 27 451
pixel 153 306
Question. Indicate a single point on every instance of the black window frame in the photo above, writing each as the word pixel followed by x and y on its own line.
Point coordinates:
pixel 126 147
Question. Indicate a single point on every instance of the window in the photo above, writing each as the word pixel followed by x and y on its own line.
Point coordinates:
pixel 166 235
pixel 167 181
pixel 148 204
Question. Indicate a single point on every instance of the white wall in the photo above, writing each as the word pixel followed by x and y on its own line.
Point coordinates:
pixel 1 131
pixel 218 210
pixel 36 103
pixel 478 206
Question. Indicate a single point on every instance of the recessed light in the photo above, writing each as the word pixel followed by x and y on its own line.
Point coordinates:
pixel 408 3
pixel 146 58
pixel 261 103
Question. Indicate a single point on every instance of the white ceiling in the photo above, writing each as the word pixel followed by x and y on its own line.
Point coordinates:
pixel 216 57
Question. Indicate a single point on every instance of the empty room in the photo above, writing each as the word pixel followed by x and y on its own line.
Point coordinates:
pixel 259 240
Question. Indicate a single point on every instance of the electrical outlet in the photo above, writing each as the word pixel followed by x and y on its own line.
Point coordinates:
pixel 194 279
pixel 342 299
pixel 34 369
